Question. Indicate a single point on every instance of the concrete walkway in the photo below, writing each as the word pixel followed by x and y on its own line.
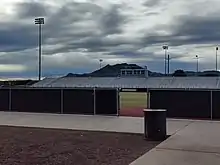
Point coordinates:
pixel 196 144
pixel 80 122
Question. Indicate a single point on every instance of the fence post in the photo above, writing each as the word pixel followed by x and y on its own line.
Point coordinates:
pixel 118 100
pixel 148 98
pixel 10 100
pixel 211 106
pixel 61 101
pixel 94 98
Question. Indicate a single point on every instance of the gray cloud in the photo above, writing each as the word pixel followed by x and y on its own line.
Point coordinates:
pixel 111 21
pixel 108 22
pixel 16 36
pixel 198 30
pixel 152 3
pixel 31 9
pixel 18 58
pixel 187 30
pixel 109 30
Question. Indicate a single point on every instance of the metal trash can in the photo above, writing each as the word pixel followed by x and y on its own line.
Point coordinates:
pixel 155 124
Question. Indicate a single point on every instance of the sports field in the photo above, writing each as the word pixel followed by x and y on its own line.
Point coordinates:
pixel 132 103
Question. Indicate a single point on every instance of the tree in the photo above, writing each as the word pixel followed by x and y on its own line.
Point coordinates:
pixel 210 75
pixel 179 73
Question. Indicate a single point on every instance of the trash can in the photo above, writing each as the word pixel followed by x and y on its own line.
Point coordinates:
pixel 155 124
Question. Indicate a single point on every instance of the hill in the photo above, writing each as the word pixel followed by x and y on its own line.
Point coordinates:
pixel 112 71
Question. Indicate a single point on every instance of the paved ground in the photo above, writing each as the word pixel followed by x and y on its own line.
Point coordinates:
pixel 198 143
pixel 192 142
pixel 79 122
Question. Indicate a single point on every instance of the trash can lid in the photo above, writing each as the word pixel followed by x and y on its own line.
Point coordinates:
pixel 154 110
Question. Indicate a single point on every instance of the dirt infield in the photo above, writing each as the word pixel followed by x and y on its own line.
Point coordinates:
pixel 132 112
pixel 35 146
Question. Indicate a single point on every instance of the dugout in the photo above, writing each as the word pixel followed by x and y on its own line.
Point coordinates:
pixel 187 103
pixel 182 97
pixel 86 101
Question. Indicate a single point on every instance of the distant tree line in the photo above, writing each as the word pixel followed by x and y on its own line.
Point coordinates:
pixel 179 73
pixel 182 73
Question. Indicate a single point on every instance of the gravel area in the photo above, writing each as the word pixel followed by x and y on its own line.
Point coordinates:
pixel 35 146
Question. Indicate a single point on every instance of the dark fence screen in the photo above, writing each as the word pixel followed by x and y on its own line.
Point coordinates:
pixel 216 104
pixel 36 100
pixel 4 99
pixel 182 104
pixel 78 101
pixel 106 101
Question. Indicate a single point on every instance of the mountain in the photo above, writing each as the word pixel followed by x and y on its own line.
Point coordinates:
pixel 112 71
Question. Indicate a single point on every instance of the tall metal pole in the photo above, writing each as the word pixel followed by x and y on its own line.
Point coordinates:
pixel 165 47
pixel 39 22
pixel 165 60
pixel 216 59
pixel 100 63
pixel 168 64
pixel 197 65
pixel 39 69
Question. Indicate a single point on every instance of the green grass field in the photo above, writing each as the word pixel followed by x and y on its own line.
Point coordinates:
pixel 133 100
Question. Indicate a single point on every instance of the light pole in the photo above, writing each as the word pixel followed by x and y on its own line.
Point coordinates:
pixel 165 48
pixel 100 63
pixel 216 59
pixel 197 65
pixel 168 64
pixel 39 22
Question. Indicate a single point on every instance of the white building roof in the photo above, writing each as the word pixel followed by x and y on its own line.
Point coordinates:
pixel 132 82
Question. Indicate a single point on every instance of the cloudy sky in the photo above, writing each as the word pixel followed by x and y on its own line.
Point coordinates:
pixel 77 33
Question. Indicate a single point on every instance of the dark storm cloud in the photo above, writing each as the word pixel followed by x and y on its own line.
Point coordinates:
pixel 187 30
pixel 199 29
pixel 60 27
pixel 63 27
pixel 16 37
pixel 31 9
pixel 108 22
pixel 58 24
pixel 92 44
pixel 112 20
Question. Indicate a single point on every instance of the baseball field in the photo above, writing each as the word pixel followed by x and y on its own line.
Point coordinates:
pixel 132 103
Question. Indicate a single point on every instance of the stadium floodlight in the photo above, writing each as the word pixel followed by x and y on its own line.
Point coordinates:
pixel 165 48
pixel 39 22
pixel 216 59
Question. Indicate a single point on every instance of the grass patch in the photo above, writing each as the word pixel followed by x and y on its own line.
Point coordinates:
pixel 133 100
